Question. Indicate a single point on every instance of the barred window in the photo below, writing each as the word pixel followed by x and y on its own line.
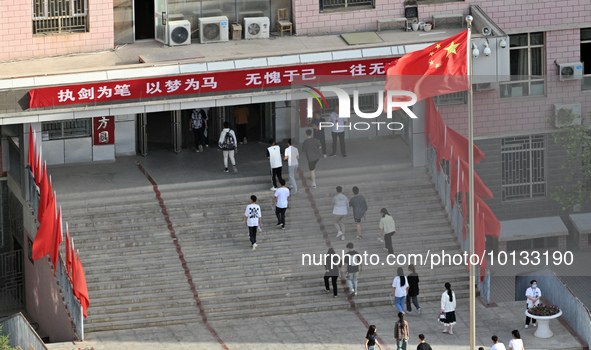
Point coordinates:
pixel 60 16
pixel 67 129
pixel 523 167
pixel 345 4
pixel 453 99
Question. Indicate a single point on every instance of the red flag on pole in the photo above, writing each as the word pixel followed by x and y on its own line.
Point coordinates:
pixel 68 253
pixel 31 157
pixel 486 224
pixel 441 68
pixel 435 128
pixel 456 144
pixel 43 242
pixel 39 168
pixel 73 265
pixel 80 288
pixel 459 174
pixel 57 240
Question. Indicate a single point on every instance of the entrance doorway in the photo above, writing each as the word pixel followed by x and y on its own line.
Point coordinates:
pixel 261 121
pixel 159 131
pixel 144 19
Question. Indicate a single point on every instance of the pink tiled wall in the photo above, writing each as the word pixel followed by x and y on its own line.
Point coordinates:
pixel 495 115
pixel 509 14
pixel 18 41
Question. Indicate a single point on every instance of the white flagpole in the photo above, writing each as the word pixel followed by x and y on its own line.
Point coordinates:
pixel 469 20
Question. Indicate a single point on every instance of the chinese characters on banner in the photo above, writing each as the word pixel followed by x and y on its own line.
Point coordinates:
pixel 103 129
pixel 259 79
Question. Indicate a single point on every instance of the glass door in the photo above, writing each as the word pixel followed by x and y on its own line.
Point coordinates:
pixel 160 20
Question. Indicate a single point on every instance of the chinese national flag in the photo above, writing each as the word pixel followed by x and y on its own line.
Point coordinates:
pixel 45 193
pixel 68 253
pixel 441 68
pixel 58 238
pixel 43 243
pixel 31 158
pixel 80 288
pixel 39 168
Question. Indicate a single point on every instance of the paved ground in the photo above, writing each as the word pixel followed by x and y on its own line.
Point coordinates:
pixel 333 330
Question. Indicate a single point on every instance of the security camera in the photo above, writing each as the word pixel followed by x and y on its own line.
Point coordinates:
pixel 486 50
pixel 503 43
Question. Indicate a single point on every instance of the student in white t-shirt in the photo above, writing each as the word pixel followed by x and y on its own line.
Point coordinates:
pixel 496 344
pixel 533 295
pixel 292 155
pixel 274 157
pixel 252 219
pixel 280 201
pixel 516 343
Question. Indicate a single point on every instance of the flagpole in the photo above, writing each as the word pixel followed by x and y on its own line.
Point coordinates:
pixel 469 20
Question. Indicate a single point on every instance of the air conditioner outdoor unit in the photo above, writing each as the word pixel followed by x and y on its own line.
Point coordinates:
pixel 179 33
pixel 256 27
pixel 570 71
pixel 567 114
pixel 487 86
pixel 213 29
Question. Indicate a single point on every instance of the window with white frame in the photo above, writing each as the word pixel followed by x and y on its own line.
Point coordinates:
pixel 66 129
pixel 526 64
pixel 523 167
pixel 586 58
pixel 453 99
pixel 60 16
pixel 345 4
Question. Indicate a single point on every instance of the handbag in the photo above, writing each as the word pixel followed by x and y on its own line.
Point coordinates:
pixel 442 316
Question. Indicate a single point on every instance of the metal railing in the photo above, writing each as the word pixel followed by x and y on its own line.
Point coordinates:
pixel 22 335
pixel 72 304
pixel 441 180
pixel 60 16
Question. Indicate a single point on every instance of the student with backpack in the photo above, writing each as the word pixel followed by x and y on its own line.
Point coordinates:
pixel 227 143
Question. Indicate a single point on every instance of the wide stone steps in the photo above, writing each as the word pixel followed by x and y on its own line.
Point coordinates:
pixel 135 277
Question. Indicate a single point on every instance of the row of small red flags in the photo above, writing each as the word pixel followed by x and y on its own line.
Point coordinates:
pixel 50 232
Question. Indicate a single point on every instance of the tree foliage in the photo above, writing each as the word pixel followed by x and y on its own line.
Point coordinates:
pixel 574 136
pixel 4 341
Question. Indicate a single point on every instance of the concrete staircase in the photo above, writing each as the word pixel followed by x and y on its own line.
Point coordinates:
pixel 135 277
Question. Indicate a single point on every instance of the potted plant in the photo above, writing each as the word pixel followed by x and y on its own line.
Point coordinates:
pixel 543 314
pixel 415 25
pixel 428 26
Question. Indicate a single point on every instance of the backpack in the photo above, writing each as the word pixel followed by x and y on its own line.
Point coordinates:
pixel 229 142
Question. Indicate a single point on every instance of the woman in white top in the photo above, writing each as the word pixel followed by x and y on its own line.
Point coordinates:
pixel 516 343
pixel 399 289
pixel 448 308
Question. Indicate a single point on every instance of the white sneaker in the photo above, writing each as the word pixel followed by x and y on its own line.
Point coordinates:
pixel 342 237
pixel 235 169
pixel 200 148
pixel 339 234
pixel 273 188
pixel 380 240
pixel 526 326
pixel 535 324
pixel 419 310
pixel 313 185
pixel 254 246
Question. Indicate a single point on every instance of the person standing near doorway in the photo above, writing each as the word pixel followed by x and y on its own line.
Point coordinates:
pixel 241 120
pixel 198 126
pixel 227 143
pixel 274 157
pixel 292 155
pixel 338 131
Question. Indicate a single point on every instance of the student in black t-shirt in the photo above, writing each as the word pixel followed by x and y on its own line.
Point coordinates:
pixel 353 266
pixel 370 339
pixel 422 344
